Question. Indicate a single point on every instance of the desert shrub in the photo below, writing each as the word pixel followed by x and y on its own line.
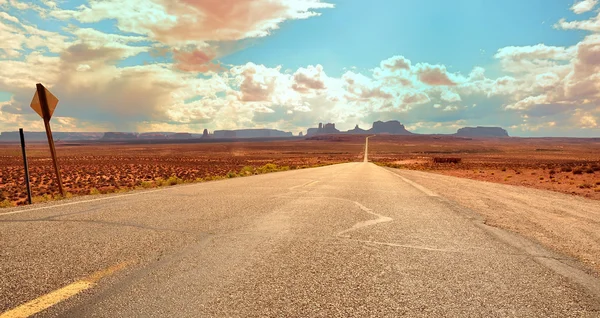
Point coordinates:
pixel 541 178
pixel 595 168
pixel 598 183
pixel 552 172
pixel 94 191
pixel 247 170
pixel 504 169
pixel 585 186
pixel 578 171
pixel 146 184
pixel 199 180
pixel 160 182
pixel 589 170
pixel 231 174
pixel 173 180
pixel 41 198
pixel 517 172
pixel 6 204
pixel 566 169
pixel 269 167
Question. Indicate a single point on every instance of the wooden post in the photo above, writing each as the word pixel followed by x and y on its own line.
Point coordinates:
pixel 26 165
pixel 46 115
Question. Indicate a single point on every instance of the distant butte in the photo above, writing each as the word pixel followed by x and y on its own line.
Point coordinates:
pixel 394 127
pixel 482 132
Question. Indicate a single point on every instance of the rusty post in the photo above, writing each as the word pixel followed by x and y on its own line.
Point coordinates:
pixel 26 165
pixel 46 112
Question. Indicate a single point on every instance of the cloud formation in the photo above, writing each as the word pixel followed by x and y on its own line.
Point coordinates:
pixel 540 87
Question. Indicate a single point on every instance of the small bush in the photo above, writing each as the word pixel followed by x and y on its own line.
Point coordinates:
pixel 577 171
pixel 269 167
pixel 159 182
pixel 566 169
pixel 589 170
pixel 517 172
pixel 247 171
pixel 173 180
pixel 585 186
pixel 598 183
pixel 94 191
pixel 6 204
pixel 503 169
pixel 146 184
pixel 541 178
pixel 231 174
pixel 552 172
pixel 41 198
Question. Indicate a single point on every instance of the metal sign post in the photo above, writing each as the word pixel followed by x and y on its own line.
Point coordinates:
pixel 25 164
pixel 44 104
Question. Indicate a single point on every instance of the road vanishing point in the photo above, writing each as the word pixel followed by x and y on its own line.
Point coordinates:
pixel 346 240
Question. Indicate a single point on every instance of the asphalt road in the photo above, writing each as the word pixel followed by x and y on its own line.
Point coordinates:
pixel 349 240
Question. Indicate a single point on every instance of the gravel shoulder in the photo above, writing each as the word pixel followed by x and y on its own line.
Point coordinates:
pixel 565 223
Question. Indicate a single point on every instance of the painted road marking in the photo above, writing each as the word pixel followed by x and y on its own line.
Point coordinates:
pixel 93 200
pixel 304 185
pixel 416 185
pixel 46 301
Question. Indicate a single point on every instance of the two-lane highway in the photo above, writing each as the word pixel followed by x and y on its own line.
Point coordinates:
pixel 349 240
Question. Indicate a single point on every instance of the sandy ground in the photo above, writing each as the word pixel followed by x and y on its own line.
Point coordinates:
pixel 567 165
pixel 565 223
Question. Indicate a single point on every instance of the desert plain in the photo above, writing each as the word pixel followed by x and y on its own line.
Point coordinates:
pixel 567 165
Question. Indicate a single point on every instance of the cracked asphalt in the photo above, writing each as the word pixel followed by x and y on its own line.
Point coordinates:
pixel 349 240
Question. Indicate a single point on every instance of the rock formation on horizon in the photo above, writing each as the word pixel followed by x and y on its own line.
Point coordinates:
pixel 480 131
pixel 357 130
pixel 205 133
pixel 392 127
pixel 119 136
pixel 251 133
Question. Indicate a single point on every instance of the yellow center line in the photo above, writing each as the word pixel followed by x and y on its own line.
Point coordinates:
pixel 46 301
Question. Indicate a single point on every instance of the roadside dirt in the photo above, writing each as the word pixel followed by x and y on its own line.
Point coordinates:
pixel 567 165
pixel 567 224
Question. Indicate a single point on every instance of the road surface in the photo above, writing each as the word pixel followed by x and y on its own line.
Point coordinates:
pixel 348 240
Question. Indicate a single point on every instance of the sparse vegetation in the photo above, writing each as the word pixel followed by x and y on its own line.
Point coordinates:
pixel 6 204
pixel 577 171
pixel 94 191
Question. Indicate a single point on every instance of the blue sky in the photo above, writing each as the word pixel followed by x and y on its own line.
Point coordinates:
pixel 528 66
pixel 452 33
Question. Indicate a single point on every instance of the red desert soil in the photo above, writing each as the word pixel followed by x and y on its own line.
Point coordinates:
pixel 568 165
pixel 113 167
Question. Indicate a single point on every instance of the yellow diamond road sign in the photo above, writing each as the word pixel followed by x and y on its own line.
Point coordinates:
pixel 37 106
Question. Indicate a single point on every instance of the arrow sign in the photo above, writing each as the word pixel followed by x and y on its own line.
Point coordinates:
pixel 51 100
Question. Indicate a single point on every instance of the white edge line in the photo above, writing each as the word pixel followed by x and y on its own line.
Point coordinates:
pixel 91 200
pixel 416 185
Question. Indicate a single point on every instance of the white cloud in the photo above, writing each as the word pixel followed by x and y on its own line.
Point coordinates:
pixel 584 6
